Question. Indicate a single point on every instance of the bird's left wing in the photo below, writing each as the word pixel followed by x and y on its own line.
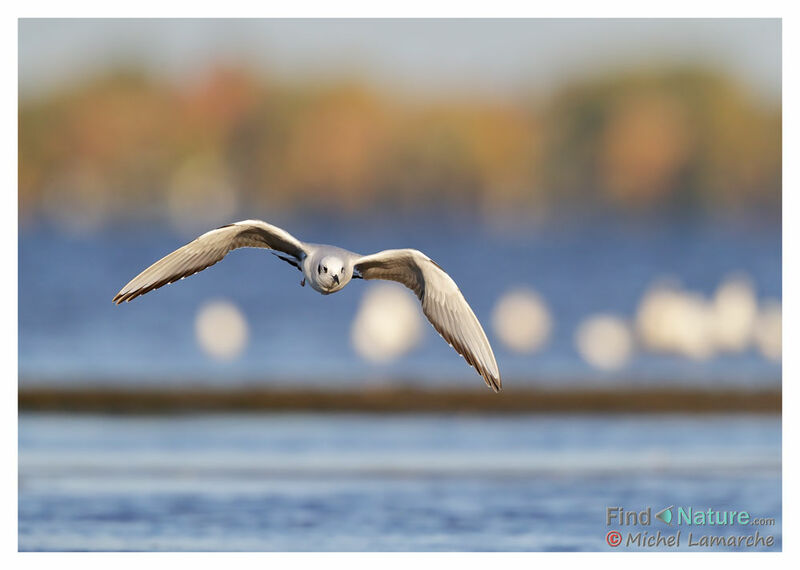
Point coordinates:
pixel 442 302
pixel 207 250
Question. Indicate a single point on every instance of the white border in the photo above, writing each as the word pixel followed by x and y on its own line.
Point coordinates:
pixel 416 8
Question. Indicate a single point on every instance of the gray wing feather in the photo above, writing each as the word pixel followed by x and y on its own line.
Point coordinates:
pixel 442 302
pixel 207 250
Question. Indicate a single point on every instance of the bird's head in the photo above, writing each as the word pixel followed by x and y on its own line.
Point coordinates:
pixel 333 273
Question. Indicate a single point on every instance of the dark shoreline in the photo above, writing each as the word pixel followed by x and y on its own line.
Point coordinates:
pixel 398 400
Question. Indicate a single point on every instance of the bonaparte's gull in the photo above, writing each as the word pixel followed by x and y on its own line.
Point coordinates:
pixel 328 269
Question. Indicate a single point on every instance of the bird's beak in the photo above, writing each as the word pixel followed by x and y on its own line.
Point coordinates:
pixel 336 278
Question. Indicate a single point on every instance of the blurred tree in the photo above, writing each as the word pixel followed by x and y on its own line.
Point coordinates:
pixel 123 144
pixel 676 138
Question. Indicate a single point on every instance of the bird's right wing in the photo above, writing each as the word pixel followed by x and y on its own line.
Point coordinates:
pixel 442 302
pixel 207 250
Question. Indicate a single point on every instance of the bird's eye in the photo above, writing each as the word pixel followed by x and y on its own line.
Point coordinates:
pixel 325 269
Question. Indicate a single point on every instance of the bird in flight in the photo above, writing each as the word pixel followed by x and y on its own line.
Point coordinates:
pixel 328 269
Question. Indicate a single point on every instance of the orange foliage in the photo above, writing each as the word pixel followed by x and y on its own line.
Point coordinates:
pixel 634 140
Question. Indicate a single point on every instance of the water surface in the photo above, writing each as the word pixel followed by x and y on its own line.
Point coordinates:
pixel 69 331
pixel 299 482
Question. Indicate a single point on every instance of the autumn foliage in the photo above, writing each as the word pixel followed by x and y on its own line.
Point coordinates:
pixel 125 143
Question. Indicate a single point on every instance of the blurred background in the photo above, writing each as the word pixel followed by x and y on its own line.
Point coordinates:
pixel 606 193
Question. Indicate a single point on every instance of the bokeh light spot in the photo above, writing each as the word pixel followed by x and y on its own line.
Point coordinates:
pixel 604 341
pixel 670 320
pixel 735 310
pixel 221 330
pixel 522 320
pixel 387 325
pixel 767 333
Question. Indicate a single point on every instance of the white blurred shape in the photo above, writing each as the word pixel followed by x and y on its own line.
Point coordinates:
pixel 201 194
pixel 521 320
pixel 735 309
pixel 767 330
pixel 388 323
pixel 221 330
pixel 604 341
pixel 679 322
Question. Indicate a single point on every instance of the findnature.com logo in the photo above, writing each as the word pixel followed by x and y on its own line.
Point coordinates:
pixel 694 518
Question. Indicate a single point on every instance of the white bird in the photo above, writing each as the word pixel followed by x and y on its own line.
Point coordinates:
pixel 328 269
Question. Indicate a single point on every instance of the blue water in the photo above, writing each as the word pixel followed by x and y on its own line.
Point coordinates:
pixel 363 482
pixel 69 331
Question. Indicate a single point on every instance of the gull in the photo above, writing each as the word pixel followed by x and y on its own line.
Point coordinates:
pixel 328 269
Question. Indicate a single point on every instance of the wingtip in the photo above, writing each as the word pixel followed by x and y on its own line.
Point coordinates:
pixel 119 298
pixel 494 383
